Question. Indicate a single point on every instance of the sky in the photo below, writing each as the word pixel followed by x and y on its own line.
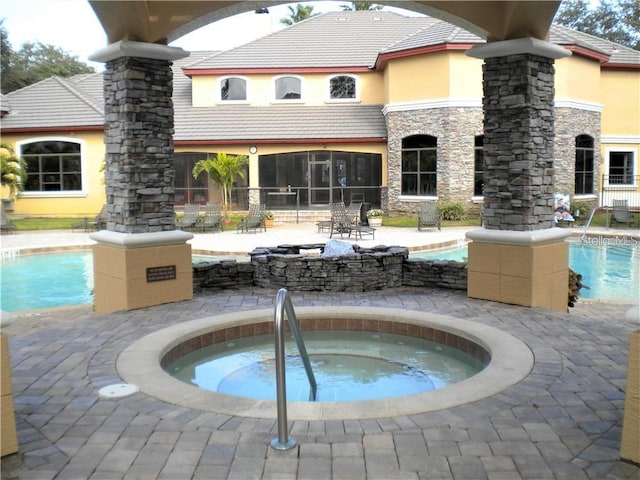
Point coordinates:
pixel 73 26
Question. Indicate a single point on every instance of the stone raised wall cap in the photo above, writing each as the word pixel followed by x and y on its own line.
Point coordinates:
pixel 510 237
pixel 127 48
pixel 518 46
pixel 137 240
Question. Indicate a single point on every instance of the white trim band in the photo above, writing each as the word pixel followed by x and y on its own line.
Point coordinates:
pixel 523 239
pixel 517 47
pixel 127 48
pixel 139 240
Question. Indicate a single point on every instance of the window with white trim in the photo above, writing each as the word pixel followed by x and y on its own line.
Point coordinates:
pixel 621 167
pixel 233 89
pixel 419 165
pixel 342 87
pixel 52 166
pixel 288 88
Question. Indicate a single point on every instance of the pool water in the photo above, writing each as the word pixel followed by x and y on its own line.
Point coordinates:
pixel 348 366
pixel 611 269
pixel 30 282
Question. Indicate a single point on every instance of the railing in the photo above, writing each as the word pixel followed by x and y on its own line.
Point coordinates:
pixel 284 305
pixel 620 187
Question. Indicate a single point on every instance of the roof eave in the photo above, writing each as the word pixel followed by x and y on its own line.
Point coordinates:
pixel 384 58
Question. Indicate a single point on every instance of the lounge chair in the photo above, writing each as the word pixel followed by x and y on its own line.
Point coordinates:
pixel 562 210
pixel 344 220
pixel 212 218
pixel 189 218
pixel 428 215
pixel 98 223
pixel 621 213
pixel 255 219
pixel 6 225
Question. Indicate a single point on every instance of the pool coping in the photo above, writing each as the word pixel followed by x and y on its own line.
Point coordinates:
pixel 139 364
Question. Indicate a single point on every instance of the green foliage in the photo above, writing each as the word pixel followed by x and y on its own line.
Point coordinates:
pixel 223 170
pixel 583 207
pixel 35 223
pixel 34 62
pixel 449 210
pixel 298 14
pixel 361 6
pixel 13 170
pixel 614 21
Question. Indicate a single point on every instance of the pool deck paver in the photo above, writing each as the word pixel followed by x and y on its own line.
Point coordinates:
pixel 562 421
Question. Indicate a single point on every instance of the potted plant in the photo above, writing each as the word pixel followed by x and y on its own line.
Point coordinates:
pixel 268 219
pixel 374 216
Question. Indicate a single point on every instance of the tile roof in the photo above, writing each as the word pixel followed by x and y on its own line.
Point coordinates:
pixel 336 39
pixel 56 103
pixel 281 122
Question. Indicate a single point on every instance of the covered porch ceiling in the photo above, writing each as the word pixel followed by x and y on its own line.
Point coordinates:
pixel 163 21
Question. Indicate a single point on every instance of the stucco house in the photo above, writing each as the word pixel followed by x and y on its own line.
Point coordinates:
pixel 337 108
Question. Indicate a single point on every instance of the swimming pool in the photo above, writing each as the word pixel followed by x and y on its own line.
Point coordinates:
pixel 610 267
pixel 49 280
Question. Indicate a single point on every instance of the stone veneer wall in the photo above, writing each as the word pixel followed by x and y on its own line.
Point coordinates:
pixel 371 269
pixel 518 142
pixel 571 122
pixel 455 129
pixel 139 145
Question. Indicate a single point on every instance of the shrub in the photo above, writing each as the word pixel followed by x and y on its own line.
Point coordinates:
pixel 451 211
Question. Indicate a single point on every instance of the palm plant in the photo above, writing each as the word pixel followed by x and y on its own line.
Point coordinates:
pixel 357 6
pixel 222 169
pixel 298 14
pixel 13 170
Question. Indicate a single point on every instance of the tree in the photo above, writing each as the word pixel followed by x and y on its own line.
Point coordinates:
pixel 13 170
pixel 300 13
pixel 617 22
pixel 34 62
pixel 361 6
pixel 222 169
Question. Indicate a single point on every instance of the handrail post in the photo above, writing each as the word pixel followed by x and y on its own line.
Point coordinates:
pixel 283 304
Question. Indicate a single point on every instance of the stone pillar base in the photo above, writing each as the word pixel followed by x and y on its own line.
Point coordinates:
pixel 521 268
pixel 141 270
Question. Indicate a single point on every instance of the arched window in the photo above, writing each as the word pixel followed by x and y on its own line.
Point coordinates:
pixel 52 166
pixel 288 88
pixel 342 87
pixel 478 166
pixel 419 165
pixel 233 89
pixel 584 165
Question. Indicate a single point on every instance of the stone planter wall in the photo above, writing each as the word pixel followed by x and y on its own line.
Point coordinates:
pixel 370 269
pixel 435 273
pixel 221 275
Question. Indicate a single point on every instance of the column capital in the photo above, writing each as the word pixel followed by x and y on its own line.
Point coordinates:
pixel 127 48
pixel 518 46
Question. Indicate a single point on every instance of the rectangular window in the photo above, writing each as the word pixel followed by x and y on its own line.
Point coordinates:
pixel 52 166
pixel 621 168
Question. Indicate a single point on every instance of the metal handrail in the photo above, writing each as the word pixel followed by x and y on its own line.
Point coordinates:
pixel 593 212
pixel 284 305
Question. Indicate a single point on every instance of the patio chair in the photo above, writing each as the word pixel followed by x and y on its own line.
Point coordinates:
pixel 6 225
pixel 189 218
pixel 212 218
pixel 621 213
pixel 255 219
pixel 98 223
pixel 344 220
pixel 428 215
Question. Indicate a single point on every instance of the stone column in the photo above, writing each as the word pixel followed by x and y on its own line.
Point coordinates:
pixel 141 259
pixel 519 257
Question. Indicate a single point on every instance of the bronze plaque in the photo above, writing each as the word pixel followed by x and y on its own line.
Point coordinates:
pixel 159 274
